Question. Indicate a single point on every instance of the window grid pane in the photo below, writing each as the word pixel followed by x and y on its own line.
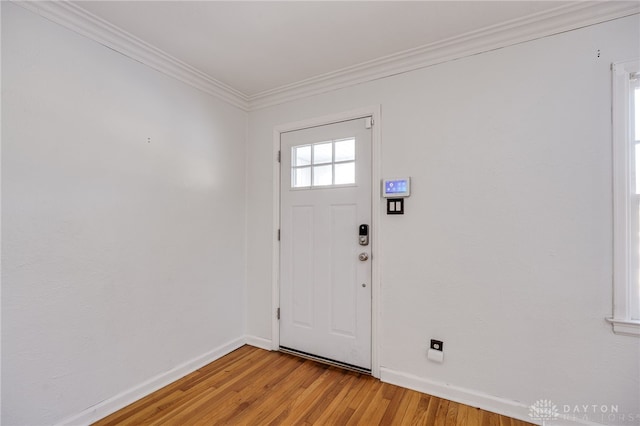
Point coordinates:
pixel 323 153
pixel 301 177
pixel 323 164
pixel 345 150
pixel 345 173
pixel 323 175
pixel 301 155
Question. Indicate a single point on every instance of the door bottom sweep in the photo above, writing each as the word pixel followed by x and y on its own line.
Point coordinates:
pixel 324 360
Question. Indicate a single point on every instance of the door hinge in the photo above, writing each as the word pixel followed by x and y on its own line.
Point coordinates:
pixel 279 156
pixel 278 235
pixel 278 313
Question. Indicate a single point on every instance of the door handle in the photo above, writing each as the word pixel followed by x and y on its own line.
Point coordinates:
pixel 363 256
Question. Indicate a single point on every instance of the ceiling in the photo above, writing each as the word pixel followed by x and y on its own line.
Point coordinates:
pixel 255 47
pixel 255 54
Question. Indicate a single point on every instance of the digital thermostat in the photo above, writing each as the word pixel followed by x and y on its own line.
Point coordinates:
pixel 395 188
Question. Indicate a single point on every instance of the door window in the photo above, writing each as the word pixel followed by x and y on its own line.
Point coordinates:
pixel 324 164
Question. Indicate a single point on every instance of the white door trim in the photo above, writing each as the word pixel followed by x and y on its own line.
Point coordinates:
pixel 375 112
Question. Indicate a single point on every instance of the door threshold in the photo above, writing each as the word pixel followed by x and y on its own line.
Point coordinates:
pixel 324 360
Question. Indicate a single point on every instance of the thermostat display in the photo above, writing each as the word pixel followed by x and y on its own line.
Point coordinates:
pixel 396 187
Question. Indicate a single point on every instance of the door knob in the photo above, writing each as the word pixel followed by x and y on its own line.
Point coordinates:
pixel 363 256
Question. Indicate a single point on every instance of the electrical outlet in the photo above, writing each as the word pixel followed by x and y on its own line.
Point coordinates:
pixel 436 345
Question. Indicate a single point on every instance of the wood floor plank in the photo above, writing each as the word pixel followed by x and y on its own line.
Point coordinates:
pixel 432 410
pixel 317 396
pixel 288 389
pixel 248 393
pixel 473 416
pixel 309 397
pixel 408 407
pixel 441 413
pixel 331 400
pixel 342 411
pixel 490 419
pixel 254 387
pixel 323 402
pixel 505 421
pixel 376 408
pixel 421 413
pixel 461 419
pixel 452 414
pixel 395 395
pixel 331 406
pixel 364 403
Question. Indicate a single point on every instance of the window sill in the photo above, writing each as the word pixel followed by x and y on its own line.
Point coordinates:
pixel 625 327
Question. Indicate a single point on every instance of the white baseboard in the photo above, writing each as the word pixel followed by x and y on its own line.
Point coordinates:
pixel 506 407
pixel 113 404
pixel 259 342
pixel 487 402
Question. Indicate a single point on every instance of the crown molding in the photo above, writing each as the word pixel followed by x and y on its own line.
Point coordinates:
pixel 87 24
pixel 561 19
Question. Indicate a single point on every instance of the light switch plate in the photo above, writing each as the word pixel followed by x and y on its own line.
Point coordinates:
pixel 395 205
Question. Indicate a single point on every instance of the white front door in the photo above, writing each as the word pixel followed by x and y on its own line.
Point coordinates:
pixel 325 273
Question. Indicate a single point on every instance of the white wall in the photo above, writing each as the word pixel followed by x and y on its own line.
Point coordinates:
pixel 123 222
pixel 505 248
pixel 123 249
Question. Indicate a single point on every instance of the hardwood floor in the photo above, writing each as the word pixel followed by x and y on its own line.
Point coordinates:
pixel 252 386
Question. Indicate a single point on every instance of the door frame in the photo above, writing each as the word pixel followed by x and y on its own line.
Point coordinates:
pixel 373 111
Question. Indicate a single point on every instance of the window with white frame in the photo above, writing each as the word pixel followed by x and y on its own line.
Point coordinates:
pixel 626 183
pixel 324 164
